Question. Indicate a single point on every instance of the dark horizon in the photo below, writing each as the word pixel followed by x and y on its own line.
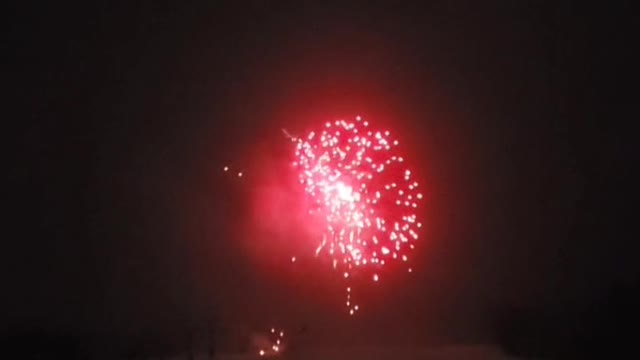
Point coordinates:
pixel 121 223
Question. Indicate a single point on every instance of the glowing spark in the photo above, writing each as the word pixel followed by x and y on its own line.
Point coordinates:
pixel 276 344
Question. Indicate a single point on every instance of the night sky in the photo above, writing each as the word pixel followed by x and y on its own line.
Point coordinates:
pixel 120 118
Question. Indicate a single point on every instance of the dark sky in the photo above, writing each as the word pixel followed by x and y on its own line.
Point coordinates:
pixel 120 117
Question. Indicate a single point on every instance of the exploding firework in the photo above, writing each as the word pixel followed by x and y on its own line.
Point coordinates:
pixel 364 194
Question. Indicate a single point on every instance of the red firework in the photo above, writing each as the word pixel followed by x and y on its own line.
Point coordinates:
pixel 363 192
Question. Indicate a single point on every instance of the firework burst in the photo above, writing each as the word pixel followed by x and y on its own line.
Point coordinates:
pixel 364 194
pixel 274 344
